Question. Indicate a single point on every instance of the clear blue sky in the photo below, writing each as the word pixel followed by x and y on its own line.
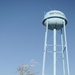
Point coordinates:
pixel 22 32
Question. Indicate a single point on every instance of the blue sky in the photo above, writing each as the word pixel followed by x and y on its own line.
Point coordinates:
pixel 22 32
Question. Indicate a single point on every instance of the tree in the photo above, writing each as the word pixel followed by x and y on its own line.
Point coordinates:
pixel 26 69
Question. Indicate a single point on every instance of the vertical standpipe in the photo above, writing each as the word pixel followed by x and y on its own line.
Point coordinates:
pixel 54 71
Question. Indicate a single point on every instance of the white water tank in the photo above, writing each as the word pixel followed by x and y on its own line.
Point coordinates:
pixel 55 19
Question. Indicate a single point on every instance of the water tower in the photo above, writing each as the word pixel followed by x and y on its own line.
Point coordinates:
pixel 55 22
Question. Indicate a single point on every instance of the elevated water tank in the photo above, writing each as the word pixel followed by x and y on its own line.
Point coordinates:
pixel 55 19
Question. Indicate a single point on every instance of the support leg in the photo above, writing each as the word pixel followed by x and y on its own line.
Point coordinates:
pixel 45 45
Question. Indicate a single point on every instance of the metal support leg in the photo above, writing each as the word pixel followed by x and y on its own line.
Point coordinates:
pixel 62 53
pixel 66 49
pixel 45 45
